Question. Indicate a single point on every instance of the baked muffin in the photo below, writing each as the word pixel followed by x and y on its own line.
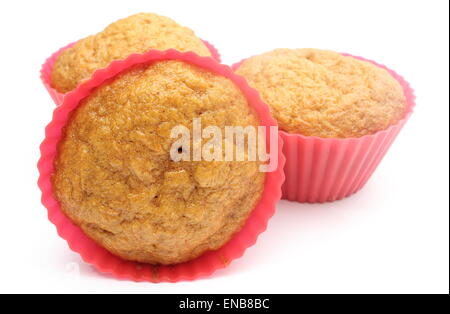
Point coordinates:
pixel 325 94
pixel 114 176
pixel 135 34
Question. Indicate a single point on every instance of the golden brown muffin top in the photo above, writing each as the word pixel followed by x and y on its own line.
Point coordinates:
pixel 135 34
pixel 325 94
pixel 115 179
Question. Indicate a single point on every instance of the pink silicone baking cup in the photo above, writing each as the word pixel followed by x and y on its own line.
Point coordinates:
pixel 322 170
pixel 47 68
pixel 213 50
pixel 106 262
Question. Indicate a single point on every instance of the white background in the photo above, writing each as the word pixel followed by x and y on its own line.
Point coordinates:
pixel 392 237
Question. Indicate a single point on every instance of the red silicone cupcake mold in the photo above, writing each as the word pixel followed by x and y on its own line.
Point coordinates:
pixel 106 262
pixel 322 170
pixel 47 68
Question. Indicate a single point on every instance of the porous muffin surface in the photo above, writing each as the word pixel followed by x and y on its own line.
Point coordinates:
pixel 114 176
pixel 325 94
pixel 135 34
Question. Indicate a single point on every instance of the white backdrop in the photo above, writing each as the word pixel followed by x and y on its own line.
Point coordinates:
pixel 393 236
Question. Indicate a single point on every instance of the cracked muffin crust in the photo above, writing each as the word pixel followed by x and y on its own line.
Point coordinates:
pixel 114 177
pixel 323 93
pixel 135 34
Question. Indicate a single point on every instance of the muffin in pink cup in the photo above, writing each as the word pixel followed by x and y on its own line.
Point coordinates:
pixel 116 195
pixel 338 115
pixel 138 33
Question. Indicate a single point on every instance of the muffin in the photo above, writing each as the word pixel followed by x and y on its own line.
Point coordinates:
pixel 325 94
pixel 135 34
pixel 338 116
pixel 114 177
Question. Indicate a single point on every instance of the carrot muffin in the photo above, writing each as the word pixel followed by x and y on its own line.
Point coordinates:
pixel 114 176
pixel 325 94
pixel 135 34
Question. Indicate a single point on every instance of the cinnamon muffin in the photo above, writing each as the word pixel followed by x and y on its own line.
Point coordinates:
pixel 114 176
pixel 135 34
pixel 325 94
